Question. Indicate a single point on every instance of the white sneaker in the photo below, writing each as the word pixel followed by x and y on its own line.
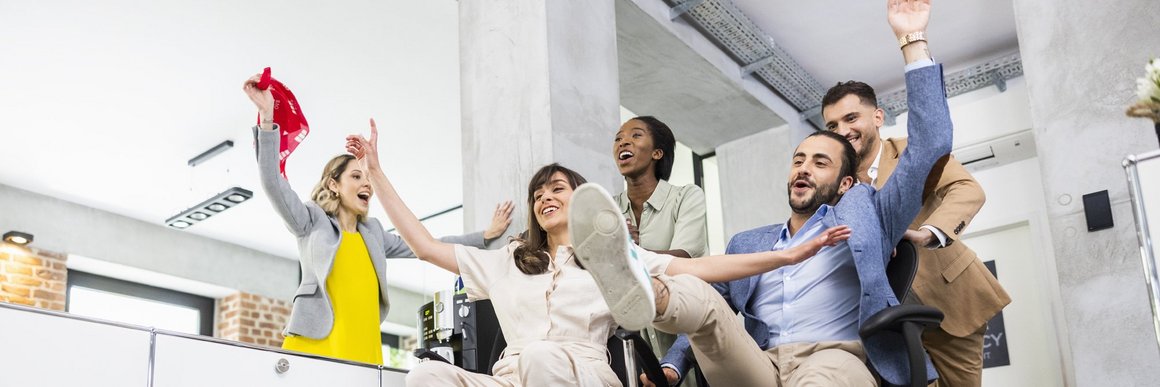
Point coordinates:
pixel 601 242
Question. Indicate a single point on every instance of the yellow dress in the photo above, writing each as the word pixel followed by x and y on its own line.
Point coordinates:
pixel 354 296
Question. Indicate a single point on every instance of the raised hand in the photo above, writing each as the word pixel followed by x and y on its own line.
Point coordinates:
pixel 830 237
pixel 500 220
pixel 263 99
pixel 366 151
pixel 906 16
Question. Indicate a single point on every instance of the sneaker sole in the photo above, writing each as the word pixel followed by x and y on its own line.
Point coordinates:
pixel 595 222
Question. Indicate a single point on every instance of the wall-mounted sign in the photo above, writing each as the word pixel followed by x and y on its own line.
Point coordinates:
pixel 995 340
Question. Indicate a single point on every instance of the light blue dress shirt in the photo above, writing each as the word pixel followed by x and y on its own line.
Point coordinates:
pixel 815 300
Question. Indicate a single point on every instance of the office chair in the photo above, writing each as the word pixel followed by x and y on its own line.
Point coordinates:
pixel 909 320
pixel 632 352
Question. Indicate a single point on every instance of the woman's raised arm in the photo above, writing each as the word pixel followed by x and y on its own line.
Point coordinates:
pixel 413 232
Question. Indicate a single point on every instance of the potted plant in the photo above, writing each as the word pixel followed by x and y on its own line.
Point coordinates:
pixel 1148 91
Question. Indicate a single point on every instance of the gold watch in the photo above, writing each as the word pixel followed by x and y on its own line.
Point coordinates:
pixel 917 36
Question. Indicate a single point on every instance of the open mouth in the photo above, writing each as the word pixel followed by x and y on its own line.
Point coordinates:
pixel 365 197
pixel 625 156
pixel 548 210
pixel 801 185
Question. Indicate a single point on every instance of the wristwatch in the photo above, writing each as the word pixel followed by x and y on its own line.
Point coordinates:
pixel 917 36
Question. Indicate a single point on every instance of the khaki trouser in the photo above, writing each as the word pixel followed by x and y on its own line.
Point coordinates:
pixel 958 360
pixel 541 363
pixel 730 357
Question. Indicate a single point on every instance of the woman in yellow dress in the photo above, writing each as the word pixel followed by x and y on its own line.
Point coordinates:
pixel 342 297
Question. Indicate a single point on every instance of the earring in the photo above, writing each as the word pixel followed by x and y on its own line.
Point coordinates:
pixel 334 194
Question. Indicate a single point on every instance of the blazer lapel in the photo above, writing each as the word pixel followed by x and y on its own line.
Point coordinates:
pixel 888 161
pixel 891 151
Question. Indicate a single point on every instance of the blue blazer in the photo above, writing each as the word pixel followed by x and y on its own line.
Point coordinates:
pixel 877 218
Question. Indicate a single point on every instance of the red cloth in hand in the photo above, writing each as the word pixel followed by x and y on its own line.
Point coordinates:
pixel 288 115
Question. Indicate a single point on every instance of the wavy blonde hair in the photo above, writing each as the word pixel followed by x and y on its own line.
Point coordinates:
pixel 325 197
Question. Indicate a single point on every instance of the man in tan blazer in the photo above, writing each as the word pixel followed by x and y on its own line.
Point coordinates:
pixel 950 276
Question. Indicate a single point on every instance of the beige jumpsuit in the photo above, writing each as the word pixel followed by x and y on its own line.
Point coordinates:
pixel 556 324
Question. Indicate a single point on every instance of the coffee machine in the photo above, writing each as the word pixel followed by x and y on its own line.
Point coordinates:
pixel 462 332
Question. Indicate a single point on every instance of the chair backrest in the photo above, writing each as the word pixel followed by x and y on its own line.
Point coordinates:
pixel 901 269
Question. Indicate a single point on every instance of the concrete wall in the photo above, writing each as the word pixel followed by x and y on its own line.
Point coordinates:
pixel 753 172
pixel 70 228
pixel 1081 59
pixel 539 85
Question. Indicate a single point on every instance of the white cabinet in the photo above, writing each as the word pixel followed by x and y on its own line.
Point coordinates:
pixel 48 349
pixel 181 362
pixel 393 378
pixel 38 349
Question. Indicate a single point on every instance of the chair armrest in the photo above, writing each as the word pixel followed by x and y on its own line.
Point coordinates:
pixel 891 318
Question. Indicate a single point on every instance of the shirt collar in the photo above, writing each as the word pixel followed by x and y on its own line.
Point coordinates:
pixel 656 200
pixel 873 171
pixel 817 217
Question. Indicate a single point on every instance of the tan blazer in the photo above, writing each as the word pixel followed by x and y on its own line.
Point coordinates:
pixel 951 278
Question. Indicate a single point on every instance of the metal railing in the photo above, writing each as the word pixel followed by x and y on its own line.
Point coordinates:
pixel 1143 235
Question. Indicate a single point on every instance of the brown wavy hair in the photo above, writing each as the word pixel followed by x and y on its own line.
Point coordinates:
pixel 532 255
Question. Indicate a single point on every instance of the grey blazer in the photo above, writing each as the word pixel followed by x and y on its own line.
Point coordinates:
pixel 318 238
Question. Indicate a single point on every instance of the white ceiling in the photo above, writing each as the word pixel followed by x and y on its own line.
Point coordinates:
pixel 102 103
pixel 839 40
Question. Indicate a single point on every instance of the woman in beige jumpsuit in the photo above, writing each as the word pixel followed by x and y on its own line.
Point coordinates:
pixel 549 308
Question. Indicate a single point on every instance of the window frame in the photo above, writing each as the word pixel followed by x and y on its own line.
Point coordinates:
pixel 205 306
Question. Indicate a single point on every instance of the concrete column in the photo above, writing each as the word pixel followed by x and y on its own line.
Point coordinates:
pixel 539 85
pixel 1081 60
pixel 753 171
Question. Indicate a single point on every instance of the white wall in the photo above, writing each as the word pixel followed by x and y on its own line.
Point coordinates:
pixel 981 114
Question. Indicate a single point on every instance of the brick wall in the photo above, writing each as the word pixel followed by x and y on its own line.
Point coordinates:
pixel 251 318
pixel 32 277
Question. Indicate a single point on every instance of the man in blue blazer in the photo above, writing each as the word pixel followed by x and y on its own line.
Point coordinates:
pixel 801 320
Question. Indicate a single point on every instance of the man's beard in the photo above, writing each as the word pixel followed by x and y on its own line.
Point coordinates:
pixel 823 194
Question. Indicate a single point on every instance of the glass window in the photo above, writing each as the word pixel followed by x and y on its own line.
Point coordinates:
pixel 394 355
pixel 111 299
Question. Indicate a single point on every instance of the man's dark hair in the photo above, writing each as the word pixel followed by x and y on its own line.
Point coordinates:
pixel 664 140
pixel 842 89
pixel 849 157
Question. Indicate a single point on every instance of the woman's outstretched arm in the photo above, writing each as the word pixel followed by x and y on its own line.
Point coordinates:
pixel 413 232
pixel 723 268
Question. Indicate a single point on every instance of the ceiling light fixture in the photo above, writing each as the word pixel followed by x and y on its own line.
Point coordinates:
pixel 18 238
pixel 218 203
pixel 216 150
